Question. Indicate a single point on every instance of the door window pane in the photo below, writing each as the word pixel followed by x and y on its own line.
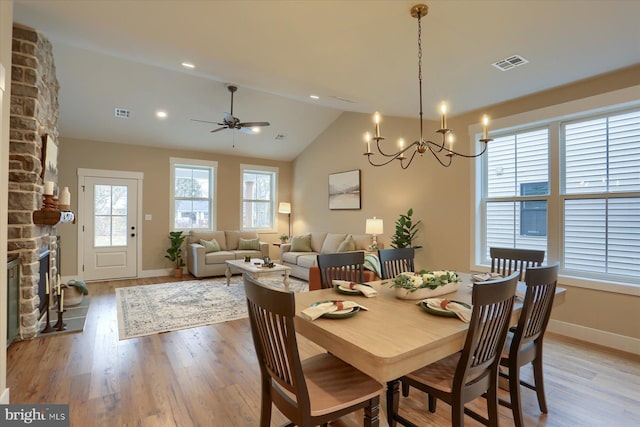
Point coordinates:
pixel 110 215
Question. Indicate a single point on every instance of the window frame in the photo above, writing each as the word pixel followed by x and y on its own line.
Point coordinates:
pixel 194 164
pixel 554 116
pixel 274 172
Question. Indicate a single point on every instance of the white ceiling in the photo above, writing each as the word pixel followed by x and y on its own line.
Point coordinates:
pixel 126 53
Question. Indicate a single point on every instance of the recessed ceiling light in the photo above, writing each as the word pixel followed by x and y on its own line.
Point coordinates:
pixel 188 65
pixel 314 97
pixel 161 114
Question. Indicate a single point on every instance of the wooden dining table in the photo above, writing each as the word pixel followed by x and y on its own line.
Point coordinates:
pixel 394 336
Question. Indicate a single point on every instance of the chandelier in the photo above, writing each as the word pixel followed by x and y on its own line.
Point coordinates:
pixel 442 151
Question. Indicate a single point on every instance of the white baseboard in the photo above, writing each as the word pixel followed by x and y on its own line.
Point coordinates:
pixel 156 273
pixel 4 397
pixel 143 274
pixel 595 336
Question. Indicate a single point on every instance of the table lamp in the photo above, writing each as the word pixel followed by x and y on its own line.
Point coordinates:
pixel 374 226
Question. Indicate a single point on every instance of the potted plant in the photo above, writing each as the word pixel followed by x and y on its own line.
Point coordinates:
pixel 425 284
pixel 406 231
pixel 174 253
pixel 74 292
pixel 283 238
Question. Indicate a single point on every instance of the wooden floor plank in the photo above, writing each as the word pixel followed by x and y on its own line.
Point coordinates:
pixel 208 376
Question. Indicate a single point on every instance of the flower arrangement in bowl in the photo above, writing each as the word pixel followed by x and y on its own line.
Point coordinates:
pixel 425 284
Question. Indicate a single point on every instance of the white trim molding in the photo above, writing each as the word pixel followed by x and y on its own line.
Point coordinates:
pixel 595 336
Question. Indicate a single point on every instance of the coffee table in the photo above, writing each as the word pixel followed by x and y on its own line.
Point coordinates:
pixel 256 270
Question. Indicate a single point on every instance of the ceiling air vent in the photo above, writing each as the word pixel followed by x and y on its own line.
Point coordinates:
pixel 510 62
pixel 122 112
pixel 280 137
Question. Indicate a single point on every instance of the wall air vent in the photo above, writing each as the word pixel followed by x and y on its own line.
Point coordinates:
pixel 510 62
pixel 122 112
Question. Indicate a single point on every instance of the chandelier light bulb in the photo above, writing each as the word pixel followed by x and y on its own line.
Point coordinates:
pixel 376 119
pixel 443 110
pixel 367 139
pixel 485 127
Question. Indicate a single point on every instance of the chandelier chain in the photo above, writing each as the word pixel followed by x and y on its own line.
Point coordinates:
pixel 420 70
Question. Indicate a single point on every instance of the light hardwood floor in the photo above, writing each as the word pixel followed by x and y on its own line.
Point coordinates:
pixel 208 376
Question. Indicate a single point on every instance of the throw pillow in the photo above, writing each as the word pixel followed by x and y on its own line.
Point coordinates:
pixel 210 245
pixel 249 244
pixel 301 243
pixel 348 245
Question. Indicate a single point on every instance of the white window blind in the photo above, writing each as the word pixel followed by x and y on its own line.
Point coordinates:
pixel 602 196
pixel 514 215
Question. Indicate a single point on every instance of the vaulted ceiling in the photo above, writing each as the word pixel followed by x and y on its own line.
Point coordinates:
pixel 354 55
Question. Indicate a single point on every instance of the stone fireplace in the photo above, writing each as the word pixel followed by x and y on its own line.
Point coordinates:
pixel 33 125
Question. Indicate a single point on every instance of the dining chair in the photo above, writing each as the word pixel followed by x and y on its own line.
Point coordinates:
pixel 341 266
pixel 395 261
pixel 308 392
pixel 473 372
pixel 505 261
pixel 524 346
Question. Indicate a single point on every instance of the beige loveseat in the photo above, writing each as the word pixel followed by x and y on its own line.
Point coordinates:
pixel 321 243
pixel 204 264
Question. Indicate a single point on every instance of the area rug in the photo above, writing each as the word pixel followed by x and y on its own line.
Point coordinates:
pixel 151 309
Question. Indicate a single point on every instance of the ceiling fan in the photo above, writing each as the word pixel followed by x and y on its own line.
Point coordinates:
pixel 232 122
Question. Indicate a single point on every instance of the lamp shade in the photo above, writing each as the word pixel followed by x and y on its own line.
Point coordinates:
pixel 374 226
pixel 284 207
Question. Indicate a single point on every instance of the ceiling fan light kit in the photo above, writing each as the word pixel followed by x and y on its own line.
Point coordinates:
pixel 444 154
pixel 231 122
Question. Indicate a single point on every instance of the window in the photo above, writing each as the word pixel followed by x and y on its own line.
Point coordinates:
pixel 192 194
pixel 259 197
pixel 517 185
pixel 602 195
pixel 569 187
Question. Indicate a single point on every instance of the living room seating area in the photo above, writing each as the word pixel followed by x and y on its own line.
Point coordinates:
pixel 301 253
pixel 207 252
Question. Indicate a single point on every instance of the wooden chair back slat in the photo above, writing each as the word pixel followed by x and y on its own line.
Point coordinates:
pixel 492 306
pixel 505 261
pixel 341 266
pixel 396 261
pixel 271 313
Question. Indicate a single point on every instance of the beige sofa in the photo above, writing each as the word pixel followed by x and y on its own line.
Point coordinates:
pixel 321 243
pixel 203 264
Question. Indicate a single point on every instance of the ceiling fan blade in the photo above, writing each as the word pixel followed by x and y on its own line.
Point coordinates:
pixel 216 130
pixel 203 121
pixel 252 124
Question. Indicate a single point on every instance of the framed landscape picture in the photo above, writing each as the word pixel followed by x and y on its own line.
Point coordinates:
pixel 344 190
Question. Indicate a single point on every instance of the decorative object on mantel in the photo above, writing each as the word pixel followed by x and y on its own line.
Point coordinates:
pixel 425 284
pixel 64 199
pixel 53 211
pixel 439 150
pixel 374 226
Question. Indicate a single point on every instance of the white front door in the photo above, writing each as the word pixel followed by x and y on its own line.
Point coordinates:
pixel 110 229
